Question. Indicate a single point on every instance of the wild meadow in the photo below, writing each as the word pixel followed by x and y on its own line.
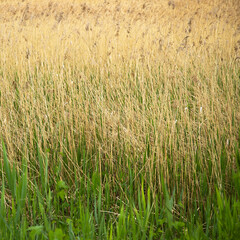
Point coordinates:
pixel 119 119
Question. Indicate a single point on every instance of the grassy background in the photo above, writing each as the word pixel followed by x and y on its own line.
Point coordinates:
pixel 126 102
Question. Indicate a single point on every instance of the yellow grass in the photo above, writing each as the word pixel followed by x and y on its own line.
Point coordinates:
pixel 128 74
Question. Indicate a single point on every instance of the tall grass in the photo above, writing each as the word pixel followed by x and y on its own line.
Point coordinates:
pixel 119 119
pixel 52 209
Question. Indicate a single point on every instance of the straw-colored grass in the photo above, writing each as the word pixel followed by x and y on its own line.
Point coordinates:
pixel 156 81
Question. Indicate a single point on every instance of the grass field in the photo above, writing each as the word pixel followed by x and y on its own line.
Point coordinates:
pixel 120 119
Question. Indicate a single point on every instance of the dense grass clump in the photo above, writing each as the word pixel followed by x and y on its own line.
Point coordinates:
pixel 119 119
pixel 94 207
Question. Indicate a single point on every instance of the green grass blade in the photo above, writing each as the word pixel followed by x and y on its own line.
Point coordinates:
pixel 11 175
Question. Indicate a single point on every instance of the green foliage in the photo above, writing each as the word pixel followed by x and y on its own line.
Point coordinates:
pixel 92 210
pixel 10 173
